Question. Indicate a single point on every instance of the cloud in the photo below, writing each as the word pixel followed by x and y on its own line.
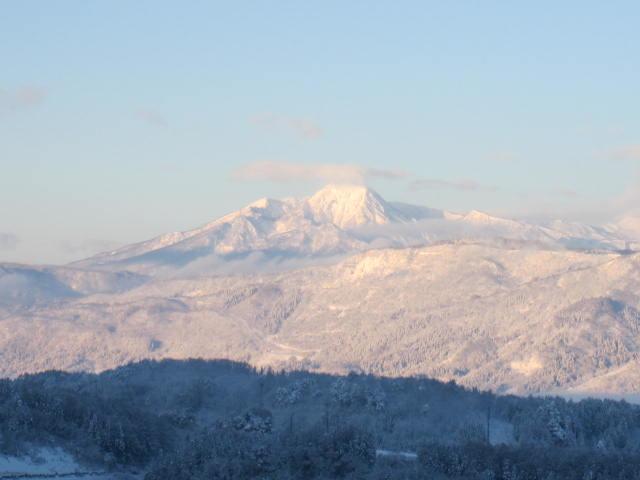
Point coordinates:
pixel 460 185
pixel 565 192
pixel 388 174
pixel 503 157
pixel 21 98
pixel 283 172
pixel 151 117
pixel 626 202
pixel 301 127
pixel 628 152
pixel 8 241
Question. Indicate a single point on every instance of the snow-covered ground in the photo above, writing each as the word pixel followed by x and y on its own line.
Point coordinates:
pixel 47 462
pixel 397 454
pixel 41 461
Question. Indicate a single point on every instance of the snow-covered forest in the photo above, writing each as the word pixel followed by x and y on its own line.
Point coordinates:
pixel 219 419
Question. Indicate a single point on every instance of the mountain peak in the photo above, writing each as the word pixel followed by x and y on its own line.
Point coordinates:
pixel 346 193
pixel 349 206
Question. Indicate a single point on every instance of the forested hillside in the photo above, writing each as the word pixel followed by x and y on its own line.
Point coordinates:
pixel 219 419
pixel 512 320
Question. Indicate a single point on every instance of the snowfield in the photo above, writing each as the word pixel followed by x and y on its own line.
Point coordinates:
pixel 47 462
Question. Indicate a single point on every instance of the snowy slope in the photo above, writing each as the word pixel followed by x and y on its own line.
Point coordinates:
pixel 514 320
pixel 48 462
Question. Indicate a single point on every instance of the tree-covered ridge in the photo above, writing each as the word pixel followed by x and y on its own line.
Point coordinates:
pixel 220 419
pixel 507 319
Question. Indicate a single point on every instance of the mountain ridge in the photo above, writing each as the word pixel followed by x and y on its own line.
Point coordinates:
pixel 336 220
pixel 512 320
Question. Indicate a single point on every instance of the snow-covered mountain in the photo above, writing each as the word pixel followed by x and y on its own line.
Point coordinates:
pixel 514 320
pixel 349 207
pixel 337 220
pixel 371 285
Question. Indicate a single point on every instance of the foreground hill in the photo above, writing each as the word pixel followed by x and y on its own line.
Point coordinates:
pixel 508 318
pixel 201 420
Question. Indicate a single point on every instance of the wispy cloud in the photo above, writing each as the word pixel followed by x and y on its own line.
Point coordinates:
pixel 151 117
pixel 503 157
pixel 282 172
pixel 628 200
pixel 565 192
pixel 439 184
pixel 21 98
pixel 301 127
pixel 8 241
pixel 628 152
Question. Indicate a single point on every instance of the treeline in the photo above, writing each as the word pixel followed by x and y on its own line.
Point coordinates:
pixel 349 452
pixel 220 419
pixel 482 461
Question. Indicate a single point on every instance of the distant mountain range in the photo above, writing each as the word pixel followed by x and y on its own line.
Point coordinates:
pixel 337 220
pixel 344 280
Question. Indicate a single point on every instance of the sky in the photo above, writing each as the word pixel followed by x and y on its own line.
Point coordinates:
pixel 122 120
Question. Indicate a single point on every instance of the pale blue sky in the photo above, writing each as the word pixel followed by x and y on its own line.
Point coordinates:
pixel 121 120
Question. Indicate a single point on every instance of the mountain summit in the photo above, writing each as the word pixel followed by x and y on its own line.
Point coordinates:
pixel 350 206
